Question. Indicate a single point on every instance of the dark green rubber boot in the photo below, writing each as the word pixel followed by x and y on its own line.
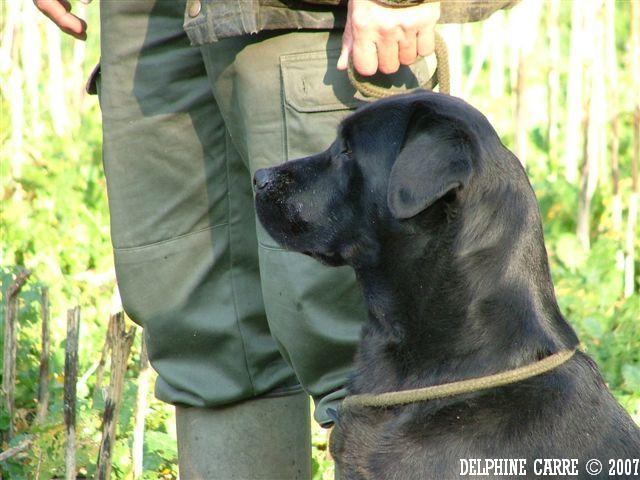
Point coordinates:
pixel 267 438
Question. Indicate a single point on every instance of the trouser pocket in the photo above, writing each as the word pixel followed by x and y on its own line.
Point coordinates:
pixel 316 98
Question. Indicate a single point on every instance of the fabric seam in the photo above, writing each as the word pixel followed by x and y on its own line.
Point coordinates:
pixel 233 283
pixel 270 247
pixel 284 134
pixel 168 240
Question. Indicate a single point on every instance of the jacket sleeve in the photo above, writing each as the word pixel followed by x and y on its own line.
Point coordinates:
pixel 451 11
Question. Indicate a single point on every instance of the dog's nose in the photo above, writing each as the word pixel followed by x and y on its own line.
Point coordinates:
pixel 262 178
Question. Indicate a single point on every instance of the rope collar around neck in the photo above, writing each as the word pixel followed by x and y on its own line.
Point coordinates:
pixel 403 397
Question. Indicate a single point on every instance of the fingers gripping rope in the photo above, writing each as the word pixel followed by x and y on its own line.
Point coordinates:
pixel 440 76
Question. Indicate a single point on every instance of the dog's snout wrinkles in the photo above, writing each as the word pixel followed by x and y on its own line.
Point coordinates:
pixel 262 178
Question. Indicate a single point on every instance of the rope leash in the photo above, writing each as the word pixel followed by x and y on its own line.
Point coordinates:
pixel 440 76
pixel 403 397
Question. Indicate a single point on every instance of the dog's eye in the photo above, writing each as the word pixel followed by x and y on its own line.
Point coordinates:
pixel 345 147
pixel 345 154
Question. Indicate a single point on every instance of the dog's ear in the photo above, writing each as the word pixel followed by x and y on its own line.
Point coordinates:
pixel 433 160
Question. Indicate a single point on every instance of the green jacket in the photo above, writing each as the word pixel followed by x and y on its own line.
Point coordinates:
pixel 209 20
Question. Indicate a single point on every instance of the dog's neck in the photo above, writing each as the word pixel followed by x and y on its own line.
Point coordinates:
pixel 447 307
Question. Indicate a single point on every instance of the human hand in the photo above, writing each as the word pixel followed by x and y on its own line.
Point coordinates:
pixel 59 12
pixel 380 37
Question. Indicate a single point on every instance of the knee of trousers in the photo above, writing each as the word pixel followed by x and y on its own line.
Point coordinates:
pixel 208 348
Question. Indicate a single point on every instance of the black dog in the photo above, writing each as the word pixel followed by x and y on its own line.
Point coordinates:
pixel 441 225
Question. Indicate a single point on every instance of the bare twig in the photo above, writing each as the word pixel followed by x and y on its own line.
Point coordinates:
pixel 10 347
pixel 141 411
pixel 121 347
pixel 106 348
pixel 21 447
pixel 70 379
pixel 43 383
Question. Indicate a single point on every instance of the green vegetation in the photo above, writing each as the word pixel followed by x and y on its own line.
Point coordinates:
pixel 54 213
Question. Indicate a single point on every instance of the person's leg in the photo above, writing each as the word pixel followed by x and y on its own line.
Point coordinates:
pixel 185 248
pixel 268 447
pixel 281 98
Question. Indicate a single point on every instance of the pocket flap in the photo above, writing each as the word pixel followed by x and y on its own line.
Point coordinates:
pixel 313 84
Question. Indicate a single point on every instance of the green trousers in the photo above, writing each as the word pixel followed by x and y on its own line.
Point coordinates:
pixel 227 314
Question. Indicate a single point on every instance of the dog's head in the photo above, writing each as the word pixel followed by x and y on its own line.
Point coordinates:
pixel 397 165
pixel 439 221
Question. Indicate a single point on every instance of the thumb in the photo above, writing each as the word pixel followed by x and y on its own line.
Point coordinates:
pixel 347 45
